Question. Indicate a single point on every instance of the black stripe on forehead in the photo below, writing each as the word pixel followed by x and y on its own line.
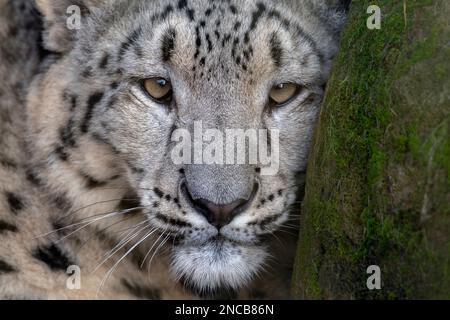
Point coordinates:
pixel 168 44
pixel 276 49
pixel 257 15
pixel 291 26
pixel 183 5
pixel 131 40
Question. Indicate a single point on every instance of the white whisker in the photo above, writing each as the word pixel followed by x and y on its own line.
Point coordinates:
pixel 156 250
pixel 91 205
pixel 156 241
pixel 123 257
pixel 87 224
pixel 108 227
pixel 95 217
pixel 120 245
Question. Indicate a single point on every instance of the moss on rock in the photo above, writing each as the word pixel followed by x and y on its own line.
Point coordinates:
pixel 377 190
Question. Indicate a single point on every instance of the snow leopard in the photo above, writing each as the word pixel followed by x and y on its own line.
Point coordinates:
pixel 92 205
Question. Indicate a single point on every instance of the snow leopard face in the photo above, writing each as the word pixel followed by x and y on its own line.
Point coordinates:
pixel 139 71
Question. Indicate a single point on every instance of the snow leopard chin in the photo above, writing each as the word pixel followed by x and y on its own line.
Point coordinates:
pixel 217 266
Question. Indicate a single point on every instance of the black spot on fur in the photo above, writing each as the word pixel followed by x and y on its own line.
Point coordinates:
pixel 197 53
pixel 128 202
pixel 198 40
pixel 71 99
pixel 274 14
pixel 173 221
pixel 256 16
pixel 92 183
pixel 60 228
pixel 246 54
pixel 53 257
pixel 226 39
pixel 114 85
pixel 136 170
pixel 61 201
pixel 168 45
pixel 182 4
pixel 191 14
pixel 93 100
pixel 268 220
pixel 167 10
pixel 15 202
pixel 104 61
pixel 276 50
pixel 67 134
pixel 158 192
pixel 141 292
pixel 128 43
pixel 6 267
pixel 61 153
pixel 208 41
pixel 87 72
pixel 8 164
pixel 7 227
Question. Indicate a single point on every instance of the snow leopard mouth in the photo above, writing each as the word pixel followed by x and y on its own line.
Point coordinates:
pixel 220 241
pixel 216 265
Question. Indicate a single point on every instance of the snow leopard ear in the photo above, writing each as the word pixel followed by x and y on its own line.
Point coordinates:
pixel 62 19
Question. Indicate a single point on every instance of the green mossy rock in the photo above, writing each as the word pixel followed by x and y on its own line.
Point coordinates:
pixel 378 183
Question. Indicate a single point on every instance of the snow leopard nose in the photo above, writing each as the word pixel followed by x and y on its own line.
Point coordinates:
pixel 216 214
pixel 219 215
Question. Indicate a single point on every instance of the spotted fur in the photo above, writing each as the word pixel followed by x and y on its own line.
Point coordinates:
pixel 85 154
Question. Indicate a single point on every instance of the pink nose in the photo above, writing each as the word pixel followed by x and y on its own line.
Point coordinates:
pixel 219 215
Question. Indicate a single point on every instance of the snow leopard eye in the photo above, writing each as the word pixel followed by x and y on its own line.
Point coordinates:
pixel 159 89
pixel 283 93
